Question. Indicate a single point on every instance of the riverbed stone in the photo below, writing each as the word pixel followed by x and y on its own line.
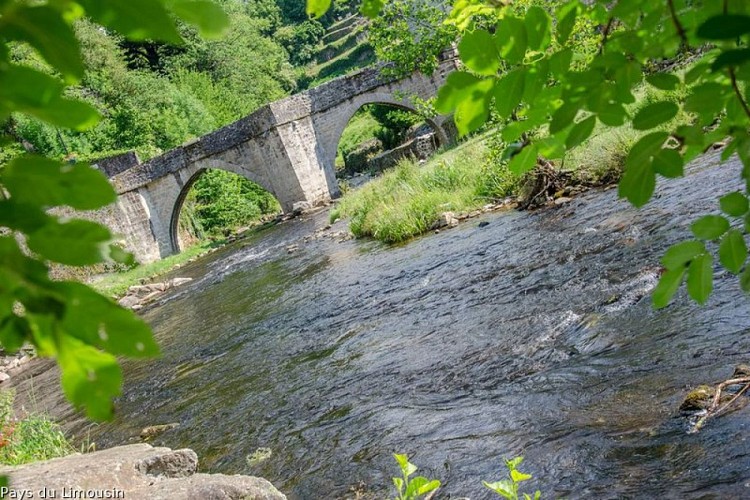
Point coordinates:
pixel 138 471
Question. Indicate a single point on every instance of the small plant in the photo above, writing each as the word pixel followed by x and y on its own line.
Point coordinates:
pixel 29 439
pixel 412 489
pixel 508 488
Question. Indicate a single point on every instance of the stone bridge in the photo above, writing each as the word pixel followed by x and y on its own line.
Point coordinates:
pixel 288 147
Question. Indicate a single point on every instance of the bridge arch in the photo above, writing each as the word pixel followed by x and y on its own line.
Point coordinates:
pixel 353 105
pixel 189 177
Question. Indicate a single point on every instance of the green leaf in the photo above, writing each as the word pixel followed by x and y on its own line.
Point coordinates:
pixel 724 27
pixel 679 255
pixel 419 486
pixel 734 204
pixel 663 81
pixel 559 62
pixel 637 183
pixel 135 19
pixel 90 378
pixel 476 52
pixel 538 24
pixel 473 108
pixel 580 132
pixel 563 117
pixel 47 183
pixel 209 17
pixel 733 58
pixel 30 91
pixel 669 163
pixel 700 278
pixel 668 285
pixel 612 115
pixel 518 476
pixel 710 227
pixel 645 148
pixel 511 39
pixel 99 322
pixel 525 160
pixel 316 8
pixel 503 488
pixel 43 28
pixel 14 332
pixel 371 8
pixel 74 242
pixel 21 216
pixel 69 113
pixel 508 92
pixel 654 115
pixel 745 280
pixel 454 90
pixel 566 16
pixel 733 251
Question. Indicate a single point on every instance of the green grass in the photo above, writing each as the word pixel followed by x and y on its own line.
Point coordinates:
pixel 354 59
pixel 29 439
pixel 117 284
pixel 406 200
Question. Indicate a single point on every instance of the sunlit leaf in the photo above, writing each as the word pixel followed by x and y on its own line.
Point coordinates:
pixel 46 182
pixel 208 16
pixel 668 285
pixel 681 254
pixel 44 29
pixel 525 160
pixel 73 242
pixel 476 50
pixel 538 24
pixel 316 8
pixel 733 251
pixel 136 19
pixel 710 227
pixel 90 378
pixel 734 204
pixel 508 92
pixel 700 278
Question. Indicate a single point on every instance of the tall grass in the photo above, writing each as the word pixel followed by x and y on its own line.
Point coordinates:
pixel 29 439
pixel 408 199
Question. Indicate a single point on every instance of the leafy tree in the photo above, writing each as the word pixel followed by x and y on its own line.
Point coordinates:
pixel 62 319
pixel 531 64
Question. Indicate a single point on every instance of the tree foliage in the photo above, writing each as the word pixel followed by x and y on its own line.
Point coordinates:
pixel 63 319
pixel 531 65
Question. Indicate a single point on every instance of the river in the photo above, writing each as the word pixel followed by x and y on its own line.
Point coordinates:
pixel 531 335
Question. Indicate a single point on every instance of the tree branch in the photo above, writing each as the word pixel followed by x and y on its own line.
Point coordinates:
pixel 605 34
pixel 677 24
pixel 738 92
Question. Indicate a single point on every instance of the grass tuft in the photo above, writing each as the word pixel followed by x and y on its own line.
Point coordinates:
pixel 29 439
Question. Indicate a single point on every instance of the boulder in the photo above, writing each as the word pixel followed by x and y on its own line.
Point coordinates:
pixel 134 471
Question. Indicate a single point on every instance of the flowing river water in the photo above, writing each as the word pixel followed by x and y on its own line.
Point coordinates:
pixel 531 335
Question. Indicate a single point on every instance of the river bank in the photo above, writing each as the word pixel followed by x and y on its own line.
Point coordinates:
pixel 517 333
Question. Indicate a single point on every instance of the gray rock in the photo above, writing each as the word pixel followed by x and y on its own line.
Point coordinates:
pixel 137 471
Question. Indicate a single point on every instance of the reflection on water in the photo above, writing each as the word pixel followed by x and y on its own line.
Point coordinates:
pixel 532 335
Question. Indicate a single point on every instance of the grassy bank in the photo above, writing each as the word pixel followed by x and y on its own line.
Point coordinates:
pixel 32 438
pixel 116 284
pixel 407 200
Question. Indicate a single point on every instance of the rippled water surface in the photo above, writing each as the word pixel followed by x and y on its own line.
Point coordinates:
pixel 532 335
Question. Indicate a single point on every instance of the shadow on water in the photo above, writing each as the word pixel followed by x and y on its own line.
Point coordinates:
pixel 533 335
